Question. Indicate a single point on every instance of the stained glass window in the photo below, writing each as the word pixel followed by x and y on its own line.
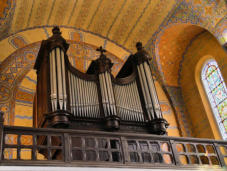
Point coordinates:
pixel 217 94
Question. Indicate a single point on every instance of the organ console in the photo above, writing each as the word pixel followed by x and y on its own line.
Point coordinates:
pixel 69 98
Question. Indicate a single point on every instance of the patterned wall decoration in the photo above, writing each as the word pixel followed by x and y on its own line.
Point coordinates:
pixel 179 106
pixel 168 113
pixel 170 48
pixel 17 41
pixel 210 12
pixel 204 13
pixel 221 30
pixel 76 36
pixel 82 54
pixel 7 8
pixel 12 71
pixel 24 100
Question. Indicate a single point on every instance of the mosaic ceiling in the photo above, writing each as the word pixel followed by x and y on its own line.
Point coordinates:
pixel 122 22
pixel 165 27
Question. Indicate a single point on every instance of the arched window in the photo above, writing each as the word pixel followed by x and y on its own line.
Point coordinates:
pixel 217 94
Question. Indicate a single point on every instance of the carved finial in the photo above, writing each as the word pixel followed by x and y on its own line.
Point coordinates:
pixel 56 30
pixel 101 50
pixel 139 46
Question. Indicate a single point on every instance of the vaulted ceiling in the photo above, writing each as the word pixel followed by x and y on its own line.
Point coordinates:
pixel 165 27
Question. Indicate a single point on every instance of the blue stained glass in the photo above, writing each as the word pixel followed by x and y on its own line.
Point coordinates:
pixel 209 70
pixel 222 108
pixel 217 94
pixel 214 80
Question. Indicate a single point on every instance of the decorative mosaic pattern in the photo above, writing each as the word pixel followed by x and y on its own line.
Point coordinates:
pixel 12 71
pixel 17 41
pixel 6 10
pixel 170 48
pixel 178 103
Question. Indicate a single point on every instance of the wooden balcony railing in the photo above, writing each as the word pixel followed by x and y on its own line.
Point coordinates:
pixel 66 147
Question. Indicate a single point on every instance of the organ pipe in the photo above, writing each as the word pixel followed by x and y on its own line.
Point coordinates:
pixel 63 79
pixel 153 90
pixel 103 65
pixel 128 102
pixel 53 81
pixel 57 80
pixel 157 122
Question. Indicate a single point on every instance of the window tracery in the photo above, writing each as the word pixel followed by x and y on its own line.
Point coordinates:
pixel 217 94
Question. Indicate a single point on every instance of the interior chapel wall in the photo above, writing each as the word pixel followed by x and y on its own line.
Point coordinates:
pixel 201 49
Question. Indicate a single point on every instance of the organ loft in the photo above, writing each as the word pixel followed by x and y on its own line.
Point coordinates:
pixel 68 98
pixel 94 119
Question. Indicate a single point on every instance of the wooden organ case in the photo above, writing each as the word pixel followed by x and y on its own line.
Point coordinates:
pixel 68 98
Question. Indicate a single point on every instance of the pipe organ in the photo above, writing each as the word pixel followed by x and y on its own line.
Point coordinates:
pixel 128 103
pixel 57 80
pixel 83 97
pixel 67 97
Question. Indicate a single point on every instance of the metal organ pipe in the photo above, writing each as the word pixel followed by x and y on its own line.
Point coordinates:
pixel 131 92
pixel 128 102
pixel 57 79
pixel 107 94
pixel 80 96
pixel 53 82
pixel 107 87
pixel 153 90
pixel 112 100
pixel 103 94
pixel 123 105
pixel 145 94
pixel 92 95
pixel 63 79
pixel 71 93
pixel 111 95
pixel 149 91
pixel 87 91
pixel 83 97
pixel 75 95
pixel 59 72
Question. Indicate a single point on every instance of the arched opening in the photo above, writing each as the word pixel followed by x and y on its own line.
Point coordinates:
pixel 202 49
pixel 216 91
